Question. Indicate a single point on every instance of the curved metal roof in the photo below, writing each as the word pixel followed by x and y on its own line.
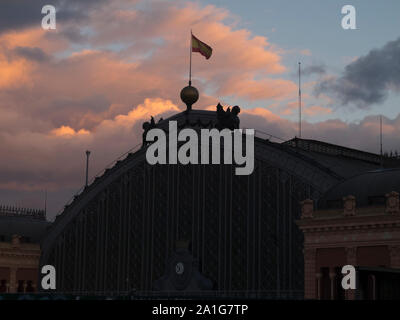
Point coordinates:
pixel 316 168
pixel 369 188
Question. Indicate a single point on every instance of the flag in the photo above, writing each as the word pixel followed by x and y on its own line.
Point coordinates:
pixel 198 46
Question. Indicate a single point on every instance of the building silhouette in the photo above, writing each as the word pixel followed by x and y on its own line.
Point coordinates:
pixel 197 229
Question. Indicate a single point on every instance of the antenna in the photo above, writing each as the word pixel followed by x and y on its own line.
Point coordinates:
pixel 380 138
pixel 299 100
pixel 87 167
pixel 45 202
pixel 191 51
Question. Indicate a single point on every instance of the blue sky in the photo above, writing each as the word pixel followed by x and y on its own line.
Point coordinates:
pixel 316 25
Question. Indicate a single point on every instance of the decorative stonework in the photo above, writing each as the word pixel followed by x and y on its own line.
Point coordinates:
pixel 342 228
pixel 349 206
pixel 17 255
pixel 307 209
pixel 392 202
pixel 15 241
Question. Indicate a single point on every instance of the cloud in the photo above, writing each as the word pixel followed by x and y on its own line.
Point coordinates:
pixel 252 90
pixel 65 131
pixel 368 80
pixel 31 53
pixel 17 15
pixel 318 69
pixel 20 14
pixel 290 107
pixel 362 135
pixel 51 159
pixel 316 110
pixel 113 64
pixel 132 53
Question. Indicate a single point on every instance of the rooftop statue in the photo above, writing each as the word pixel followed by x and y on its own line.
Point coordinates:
pixel 146 127
pixel 228 119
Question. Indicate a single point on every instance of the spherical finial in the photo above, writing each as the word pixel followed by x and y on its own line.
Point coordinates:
pixel 189 96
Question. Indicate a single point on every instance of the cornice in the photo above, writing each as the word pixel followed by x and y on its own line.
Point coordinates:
pixel 350 223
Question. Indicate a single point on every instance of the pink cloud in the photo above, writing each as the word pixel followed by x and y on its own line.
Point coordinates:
pixel 53 158
pixel 276 89
pixel 131 65
pixel 316 110
pixel 84 87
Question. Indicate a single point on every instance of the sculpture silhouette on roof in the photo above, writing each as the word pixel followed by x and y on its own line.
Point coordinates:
pixel 227 119
pixel 146 127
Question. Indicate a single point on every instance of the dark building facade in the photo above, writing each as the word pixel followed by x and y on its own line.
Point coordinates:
pixel 122 232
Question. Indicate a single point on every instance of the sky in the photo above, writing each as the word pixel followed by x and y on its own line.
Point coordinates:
pixel 110 65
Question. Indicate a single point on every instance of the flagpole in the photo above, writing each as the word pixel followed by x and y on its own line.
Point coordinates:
pixel 190 68
pixel 45 203
pixel 299 100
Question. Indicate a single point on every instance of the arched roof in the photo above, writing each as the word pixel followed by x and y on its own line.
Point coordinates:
pixel 311 167
pixel 368 188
